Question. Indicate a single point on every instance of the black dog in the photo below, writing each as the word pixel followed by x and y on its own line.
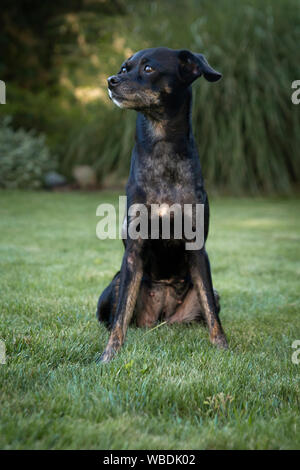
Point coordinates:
pixel 159 279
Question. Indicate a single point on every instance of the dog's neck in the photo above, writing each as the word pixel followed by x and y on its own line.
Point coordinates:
pixel 172 125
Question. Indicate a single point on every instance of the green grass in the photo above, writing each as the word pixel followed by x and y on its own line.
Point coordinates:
pixel 168 389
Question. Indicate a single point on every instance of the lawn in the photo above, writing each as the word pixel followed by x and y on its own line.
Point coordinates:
pixel 168 388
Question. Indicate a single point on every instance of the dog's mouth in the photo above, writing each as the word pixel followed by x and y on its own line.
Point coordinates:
pixel 117 99
pixel 126 98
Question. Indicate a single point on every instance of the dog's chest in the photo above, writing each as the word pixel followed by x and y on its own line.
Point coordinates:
pixel 167 177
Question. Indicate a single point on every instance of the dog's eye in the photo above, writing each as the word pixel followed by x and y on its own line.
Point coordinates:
pixel 148 69
pixel 123 69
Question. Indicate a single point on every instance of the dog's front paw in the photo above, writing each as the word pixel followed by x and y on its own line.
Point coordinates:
pixel 106 356
pixel 220 341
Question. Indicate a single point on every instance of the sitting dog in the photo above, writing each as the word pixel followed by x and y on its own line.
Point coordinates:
pixel 160 280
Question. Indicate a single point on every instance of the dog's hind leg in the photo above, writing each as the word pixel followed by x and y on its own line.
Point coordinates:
pixel 190 309
pixel 107 303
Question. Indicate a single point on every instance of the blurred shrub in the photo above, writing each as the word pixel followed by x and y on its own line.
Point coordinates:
pixel 24 158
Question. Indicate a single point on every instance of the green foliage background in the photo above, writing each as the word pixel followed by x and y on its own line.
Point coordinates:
pixel 57 57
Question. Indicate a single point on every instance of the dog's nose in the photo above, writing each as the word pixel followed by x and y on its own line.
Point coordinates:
pixel 113 81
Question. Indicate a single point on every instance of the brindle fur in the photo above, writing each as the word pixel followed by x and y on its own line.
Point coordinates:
pixel 159 279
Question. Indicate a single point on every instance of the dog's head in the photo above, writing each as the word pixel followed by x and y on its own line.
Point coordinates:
pixel 151 78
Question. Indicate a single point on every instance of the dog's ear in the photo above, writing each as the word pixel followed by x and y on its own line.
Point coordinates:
pixel 192 66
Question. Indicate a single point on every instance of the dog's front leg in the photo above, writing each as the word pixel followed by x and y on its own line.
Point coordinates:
pixel 130 280
pixel 201 277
